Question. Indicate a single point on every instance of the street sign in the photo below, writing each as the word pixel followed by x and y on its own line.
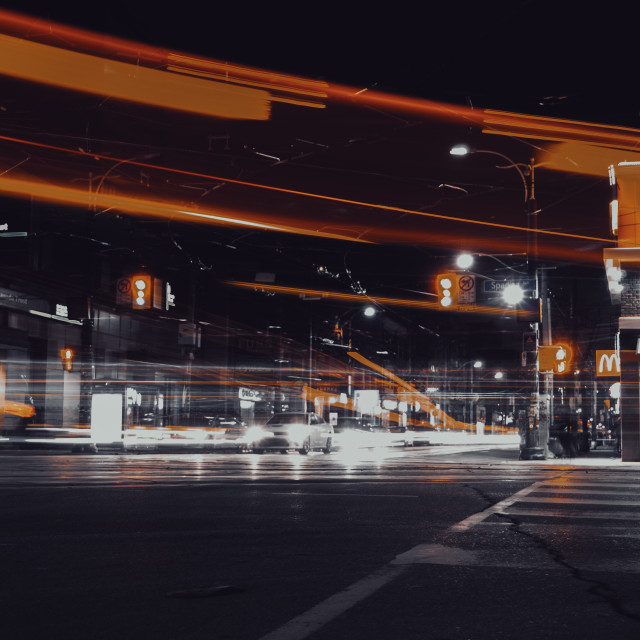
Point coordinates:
pixel 466 289
pixel 498 286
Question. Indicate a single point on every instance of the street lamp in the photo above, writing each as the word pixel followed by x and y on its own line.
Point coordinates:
pixel 464 261
pixel 513 294
pixel 535 428
pixel 526 173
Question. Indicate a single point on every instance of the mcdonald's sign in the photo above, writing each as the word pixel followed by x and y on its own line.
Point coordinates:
pixel 607 364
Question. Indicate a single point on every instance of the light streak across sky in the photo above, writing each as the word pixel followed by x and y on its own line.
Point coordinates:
pixel 81 72
pixel 356 203
pixel 385 301
pixel 274 86
pixel 53 64
pixel 149 207
pixel 492 121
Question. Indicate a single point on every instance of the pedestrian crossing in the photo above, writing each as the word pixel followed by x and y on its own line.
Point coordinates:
pixel 594 496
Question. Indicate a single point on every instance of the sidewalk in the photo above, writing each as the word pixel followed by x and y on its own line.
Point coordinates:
pixel 510 453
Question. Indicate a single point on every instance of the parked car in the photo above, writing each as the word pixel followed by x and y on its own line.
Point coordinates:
pixel 304 431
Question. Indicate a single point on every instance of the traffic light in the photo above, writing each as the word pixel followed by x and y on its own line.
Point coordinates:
pixel 141 290
pixel 556 358
pixel 66 355
pixel 447 289
pixel 563 358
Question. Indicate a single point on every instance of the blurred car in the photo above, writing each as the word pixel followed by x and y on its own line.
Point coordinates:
pixel 197 431
pixel 300 430
pixel 228 432
pixel 401 436
pixel 354 432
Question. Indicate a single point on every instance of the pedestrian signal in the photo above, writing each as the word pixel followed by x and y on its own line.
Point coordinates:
pixel 556 358
pixel 66 356
pixel 141 286
pixel 447 284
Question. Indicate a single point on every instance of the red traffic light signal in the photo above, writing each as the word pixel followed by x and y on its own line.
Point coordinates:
pixel 66 355
pixel 447 284
pixel 141 290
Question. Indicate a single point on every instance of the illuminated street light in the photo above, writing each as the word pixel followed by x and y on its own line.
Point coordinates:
pixel 464 261
pixel 498 375
pixel 459 150
pixel 513 294
pixel 535 432
pixel 369 311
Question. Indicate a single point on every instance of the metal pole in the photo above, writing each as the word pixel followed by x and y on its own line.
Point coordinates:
pixel 534 432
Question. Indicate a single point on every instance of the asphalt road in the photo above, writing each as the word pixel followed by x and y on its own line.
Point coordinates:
pixel 430 543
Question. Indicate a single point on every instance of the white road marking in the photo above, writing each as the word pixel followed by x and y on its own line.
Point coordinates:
pixel 499 507
pixel 609 492
pixel 316 617
pixel 310 621
pixel 588 515
pixel 618 502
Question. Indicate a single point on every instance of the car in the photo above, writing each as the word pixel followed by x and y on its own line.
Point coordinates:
pixel 197 431
pixel 228 431
pixel 352 432
pixel 301 430
pixel 402 437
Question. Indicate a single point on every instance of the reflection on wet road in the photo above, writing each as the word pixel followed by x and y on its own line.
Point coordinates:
pixel 386 464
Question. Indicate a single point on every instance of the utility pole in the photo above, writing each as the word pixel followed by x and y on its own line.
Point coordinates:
pixel 534 429
pixel 534 424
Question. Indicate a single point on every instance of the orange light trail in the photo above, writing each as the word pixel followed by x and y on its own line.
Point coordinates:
pixel 539 127
pixel 398 302
pixel 585 159
pixel 154 208
pixel 139 53
pixel 81 72
pixel 543 128
pixel 19 409
pixel 446 419
pixel 307 194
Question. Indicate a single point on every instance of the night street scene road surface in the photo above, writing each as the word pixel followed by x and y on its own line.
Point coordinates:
pixel 448 541
pixel 319 321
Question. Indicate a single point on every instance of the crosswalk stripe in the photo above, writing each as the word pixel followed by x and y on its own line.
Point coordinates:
pixel 579 501
pixel 612 492
pixel 591 515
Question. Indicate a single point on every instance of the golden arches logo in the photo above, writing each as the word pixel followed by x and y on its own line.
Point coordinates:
pixel 607 363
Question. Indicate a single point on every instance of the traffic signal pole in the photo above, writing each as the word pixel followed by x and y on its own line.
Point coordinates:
pixel 534 427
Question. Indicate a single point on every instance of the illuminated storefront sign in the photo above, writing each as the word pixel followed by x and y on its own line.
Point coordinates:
pixel 249 394
pixel 607 363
